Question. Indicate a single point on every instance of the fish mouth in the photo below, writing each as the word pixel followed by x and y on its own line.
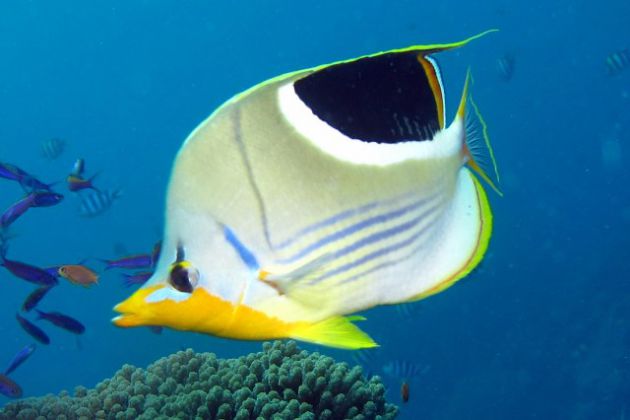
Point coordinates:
pixel 135 311
pixel 156 305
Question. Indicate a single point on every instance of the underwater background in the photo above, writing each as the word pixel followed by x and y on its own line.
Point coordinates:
pixel 540 330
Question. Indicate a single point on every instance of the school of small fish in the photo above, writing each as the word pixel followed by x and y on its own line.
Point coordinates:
pixel 93 201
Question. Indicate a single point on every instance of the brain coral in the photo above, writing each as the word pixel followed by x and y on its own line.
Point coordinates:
pixel 281 382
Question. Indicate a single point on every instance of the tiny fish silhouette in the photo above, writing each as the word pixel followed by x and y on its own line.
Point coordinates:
pixel 33 299
pixel 136 278
pixel 19 358
pixel 32 329
pixel 9 388
pixel 97 202
pixel 618 61
pixel 505 67
pixel 46 198
pixel 53 148
pixel 62 321
pixel 404 391
pixel 15 211
pixel 130 262
pixel 29 272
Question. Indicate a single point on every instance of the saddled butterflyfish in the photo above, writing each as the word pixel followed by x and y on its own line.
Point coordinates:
pixel 318 194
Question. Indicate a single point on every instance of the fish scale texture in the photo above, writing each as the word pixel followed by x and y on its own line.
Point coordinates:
pixel 281 382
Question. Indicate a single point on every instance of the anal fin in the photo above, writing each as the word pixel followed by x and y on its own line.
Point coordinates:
pixel 337 331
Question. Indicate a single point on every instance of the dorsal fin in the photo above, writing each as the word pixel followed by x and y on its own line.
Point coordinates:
pixel 435 48
pixel 477 146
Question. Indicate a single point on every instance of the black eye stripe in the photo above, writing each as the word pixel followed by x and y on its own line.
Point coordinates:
pixel 180 254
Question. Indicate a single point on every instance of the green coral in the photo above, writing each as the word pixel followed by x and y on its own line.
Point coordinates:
pixel 281 382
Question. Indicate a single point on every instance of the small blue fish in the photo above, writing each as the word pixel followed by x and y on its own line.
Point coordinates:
pixel 130 262
pixel 26 180
pixel 136 279
pixel 9 388
pixel 15 211
pixel 8 171
pixel 19 358
pixel 33 184
pixel 62 321
pixel 32 329
pixel 53 148
pixel 29 272
pixel 33 299
pixel 46 198
pixel 97 202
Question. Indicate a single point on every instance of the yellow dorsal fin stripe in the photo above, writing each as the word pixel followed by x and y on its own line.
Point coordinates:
pixel 436 88
pixel 434 48
pixel 424 49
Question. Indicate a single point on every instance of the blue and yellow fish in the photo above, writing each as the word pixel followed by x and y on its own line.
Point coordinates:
pixel 316 195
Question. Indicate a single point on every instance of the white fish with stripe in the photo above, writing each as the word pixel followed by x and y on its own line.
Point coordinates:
pixel 617 61
pixel 405 369
pixel 52 148
pixel 97 202
pixel 315 195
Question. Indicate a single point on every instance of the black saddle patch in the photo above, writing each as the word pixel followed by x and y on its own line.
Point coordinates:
pixel 384 99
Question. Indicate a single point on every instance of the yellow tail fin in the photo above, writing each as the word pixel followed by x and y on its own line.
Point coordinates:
pixel 337 331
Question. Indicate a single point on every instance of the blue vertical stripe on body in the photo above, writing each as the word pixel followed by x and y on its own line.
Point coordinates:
pixel 248 258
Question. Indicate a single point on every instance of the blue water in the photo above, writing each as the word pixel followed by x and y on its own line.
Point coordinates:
pixel 540 330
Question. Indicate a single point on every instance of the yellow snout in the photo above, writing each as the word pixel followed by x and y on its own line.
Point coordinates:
pixel 201 312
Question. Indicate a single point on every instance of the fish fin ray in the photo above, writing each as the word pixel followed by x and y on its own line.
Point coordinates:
pixel 337 331
pixel 477 145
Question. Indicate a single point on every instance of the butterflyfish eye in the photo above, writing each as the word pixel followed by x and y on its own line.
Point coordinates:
pixel 183 277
